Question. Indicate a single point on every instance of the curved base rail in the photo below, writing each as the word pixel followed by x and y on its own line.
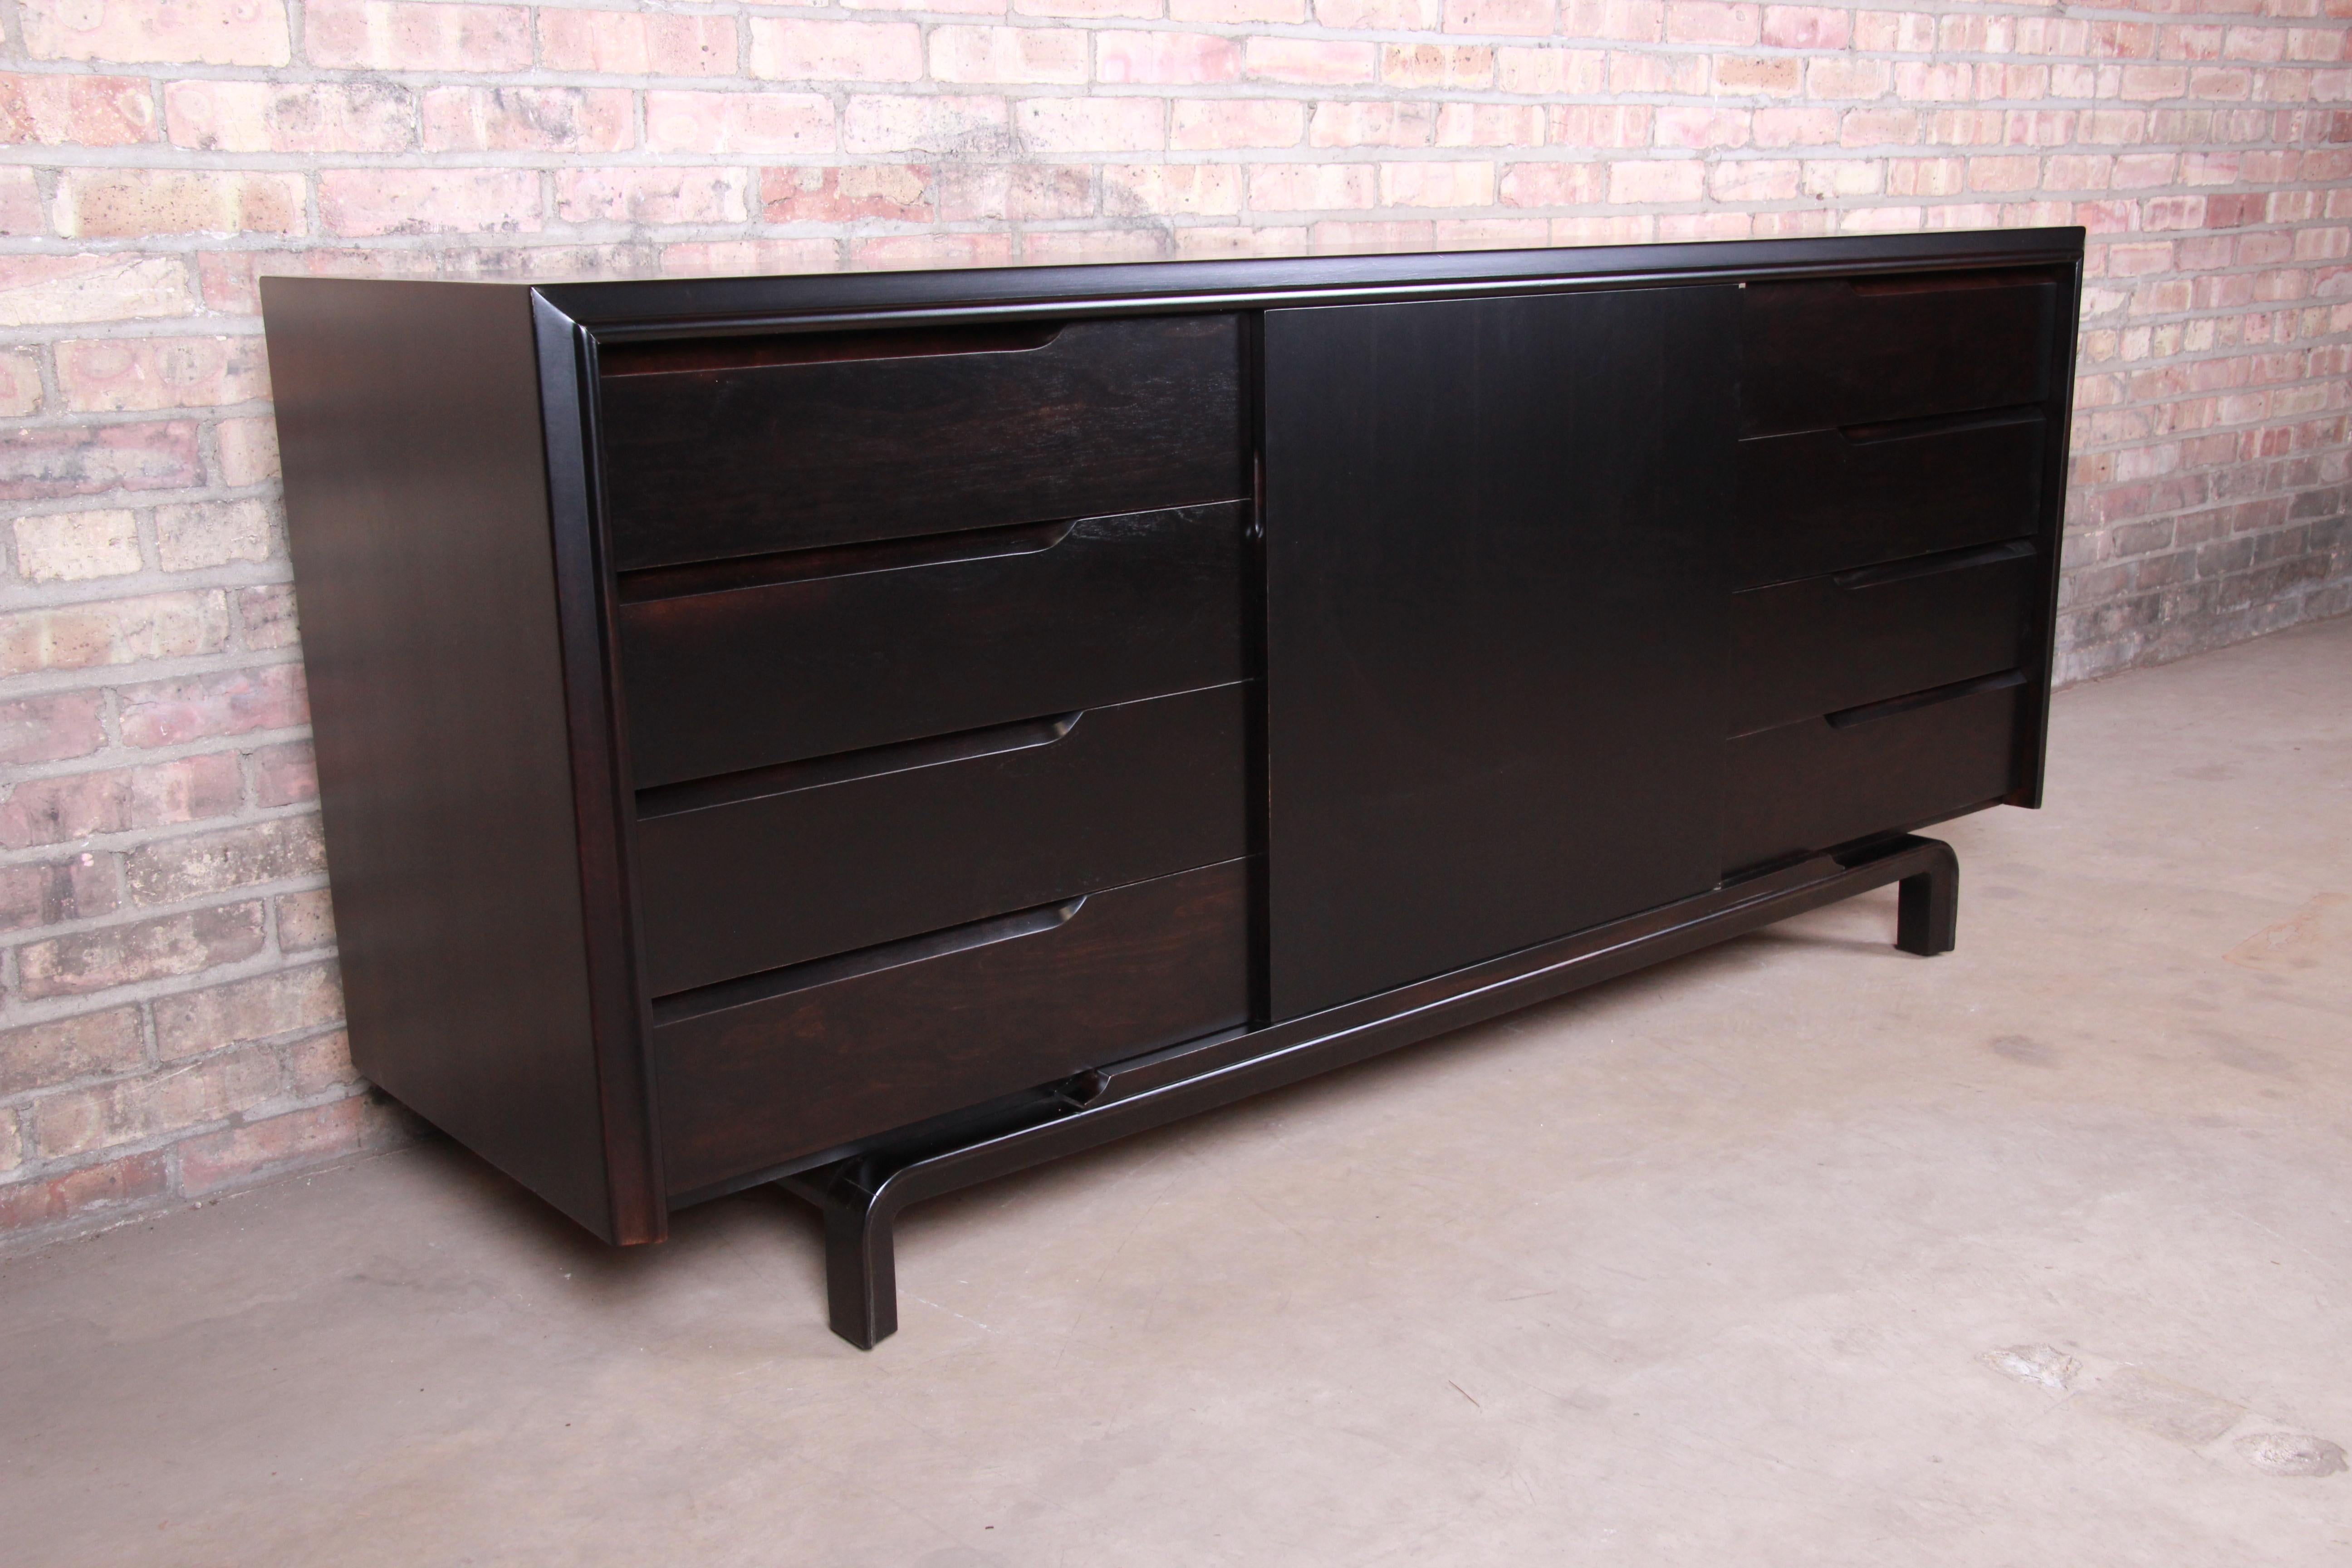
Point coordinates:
pixel 861 1195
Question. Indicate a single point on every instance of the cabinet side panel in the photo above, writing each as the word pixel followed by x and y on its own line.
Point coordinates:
pixel 417 509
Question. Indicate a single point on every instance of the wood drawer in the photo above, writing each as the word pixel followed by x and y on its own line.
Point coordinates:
pixel 746 446
pixel 1861 352
pixel 803 1062
pixel 1819 782
pixel 1803 649
pixel 1830 500
pixel 877 643
pixel 822 857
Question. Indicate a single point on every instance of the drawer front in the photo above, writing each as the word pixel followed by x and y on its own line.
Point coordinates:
pixel 710 453
pixel 1830 500
pixel 850 1047
pixel 937 833
pixel 1815 785
pixel 1803 649
pixel 1861 352
pixel 875 645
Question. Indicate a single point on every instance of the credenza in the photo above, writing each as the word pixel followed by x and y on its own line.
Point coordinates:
pixel 877 733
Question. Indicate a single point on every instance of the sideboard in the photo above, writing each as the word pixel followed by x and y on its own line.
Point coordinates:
pixel 875 732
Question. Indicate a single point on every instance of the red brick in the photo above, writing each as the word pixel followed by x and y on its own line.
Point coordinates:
pixel 285 774
pixel 44 464
pixel 217 1160
pixel 119 375
pixel 288 1001
pixel 106 1116
pixel 933 250
pixel 47 893
pixel 1314 62
pixel 159 32
pixel 229 703
pixel 836 51
pixel 118 800
pixel 697 195
pixel 751 257
pixel 315 1067
pixel 637 43
pixel 55 1200
pixel 530 120
pixel 371 201
pixel 74 546
pixel 51 729
pixel 1092 124
pixel 1442 66
pixel 1380 122
pixel 1710 21
pixel 131 204
pixel 77 111
pixel 900 193
pixel 88 962
pixel 1019 55
pixel 305 921
pixel 42 1055
pixel 50 290
pixel 739 122
pixel 1380 15
pixel 1524 17
pixel 212 533
pixel 272 117
pixel 1806 27
pixel 265 616
pixel 1217 123
pixel 1186 59
pixel 393 36
pixel 20 381
pixel 249 450
pixel 1312 187
pixel 1431 184
pixel 116 631
pixel 1554 184
pixel 1172 189
pixel 933 122
pixel 1661 181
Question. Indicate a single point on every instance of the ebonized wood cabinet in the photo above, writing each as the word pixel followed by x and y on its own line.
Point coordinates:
pixel 877 733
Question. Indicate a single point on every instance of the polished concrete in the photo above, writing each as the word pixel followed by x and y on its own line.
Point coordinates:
pixel 1800 1251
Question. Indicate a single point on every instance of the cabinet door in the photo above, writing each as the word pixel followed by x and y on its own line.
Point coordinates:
pixel 1496 589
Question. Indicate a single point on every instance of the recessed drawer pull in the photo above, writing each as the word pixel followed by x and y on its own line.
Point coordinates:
pixel 1848 718
pixel 841 561
pixel 728 459
pixel 1933 424
pixel 814 772
pixel 793 977
pixel 676 357
pixel 1931 565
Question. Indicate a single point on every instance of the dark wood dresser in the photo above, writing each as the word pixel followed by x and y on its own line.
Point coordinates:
pixel 874 732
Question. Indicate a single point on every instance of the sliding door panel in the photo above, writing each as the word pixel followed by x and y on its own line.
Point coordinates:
pixel 1497 585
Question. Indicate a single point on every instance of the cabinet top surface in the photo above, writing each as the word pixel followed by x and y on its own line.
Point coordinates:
pixel 666 306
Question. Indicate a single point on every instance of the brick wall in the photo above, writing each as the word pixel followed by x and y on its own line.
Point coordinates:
pixel 169 1018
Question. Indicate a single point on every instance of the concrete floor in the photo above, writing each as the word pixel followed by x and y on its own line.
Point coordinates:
pixel 1800 1251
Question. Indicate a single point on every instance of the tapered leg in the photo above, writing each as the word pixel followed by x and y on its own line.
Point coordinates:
pixel 1928 911
pixel 861 1277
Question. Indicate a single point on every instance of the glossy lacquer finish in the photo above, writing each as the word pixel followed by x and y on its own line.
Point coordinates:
pixel 1493 671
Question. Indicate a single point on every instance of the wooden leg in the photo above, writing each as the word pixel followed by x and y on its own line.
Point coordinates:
pixel 1928 911
pixel 861 1282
